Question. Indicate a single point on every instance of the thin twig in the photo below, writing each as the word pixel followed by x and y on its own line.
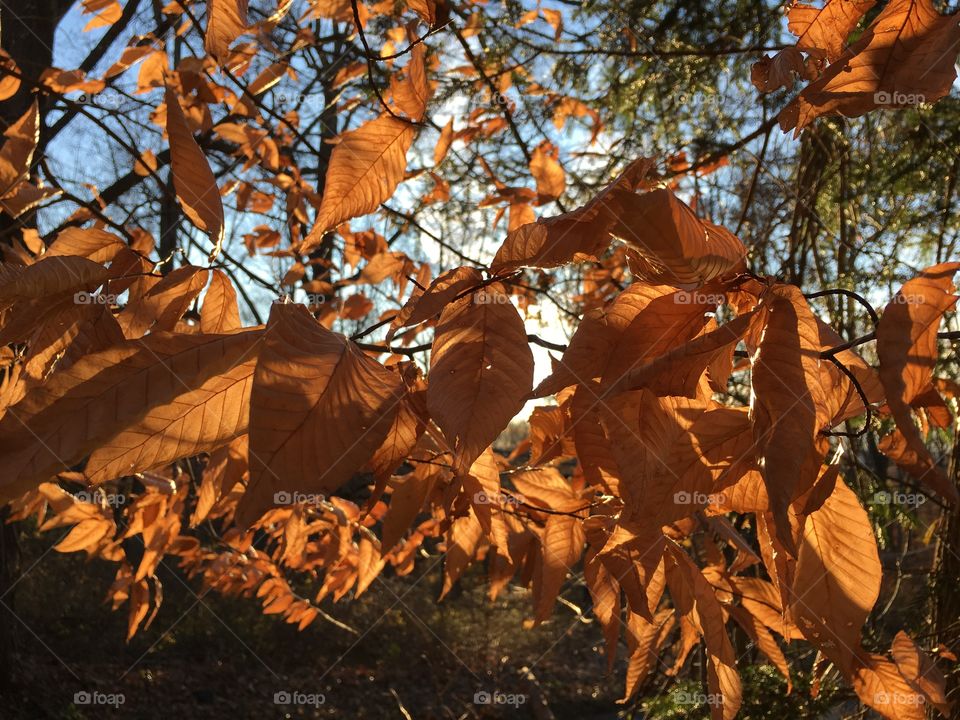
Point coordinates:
pixel 863 398
pixel 850 294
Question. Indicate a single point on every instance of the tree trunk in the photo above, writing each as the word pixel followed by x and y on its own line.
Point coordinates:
pixel 946 575
pixel 26 33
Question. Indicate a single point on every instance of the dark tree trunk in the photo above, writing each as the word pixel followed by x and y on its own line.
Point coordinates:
pixel 328 130
pixel 946 575
pixel 26 33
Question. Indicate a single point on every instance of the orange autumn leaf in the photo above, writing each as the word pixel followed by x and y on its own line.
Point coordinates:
pixel 837 577
pixel 226 21
pixel 424 304
pixel 366 166
pixel 201 420
pixel 580 233
pixel 906 57
pixel 919 670
pixel 481 370
pixel 907 351
pixel 219 313
pixel 60 422
pixel 769 74
pixel 787 402
pixel 105 13
pixel 319 408
pixel 9 84
pixel 672 245
pixel 695 599
pixel 16 155
pixel 443 144
pixel 562 547
pixel 881 687
pixel 547 171
pixel 411 90
pixel 409 493
pixel 195 183
pixel 463 539
pixel 641 324
pixel 824 31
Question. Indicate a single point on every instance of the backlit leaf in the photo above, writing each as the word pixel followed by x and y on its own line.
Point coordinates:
pixel 481 370
pixel 319 408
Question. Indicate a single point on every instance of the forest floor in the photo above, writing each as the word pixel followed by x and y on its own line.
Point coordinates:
pixel 206 656
pixel 209 657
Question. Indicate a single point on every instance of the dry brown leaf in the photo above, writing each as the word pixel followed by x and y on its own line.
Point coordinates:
pixel 48 279
pixel 444 143
pixel 198 421
pixel 192 178
pixel 770 73
pixel 365 168
pixel 787 397
pixel 919 670
pixel 578 234
pixel 319 409
pixel 764 641
pixel 649 638
pixel 94 244
pixel 165 303
pixel 425 304
pixel 824 31
pixel 219 313
pixel 16 156
pixel 837 577
pixel 673 246
pixel 694 598
pixel 562 547
pixel 907 351
pixel 481 370
pixel 412 91
pixel 82 406
pixel 905 58
pixel 547 171
pixel 464 538
pixel 369 564
pixel 407 428
pixel 641 324
pixel 678 371
pixel 226 21
pixel 408 496
pixel 880 686
pixel 9 84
